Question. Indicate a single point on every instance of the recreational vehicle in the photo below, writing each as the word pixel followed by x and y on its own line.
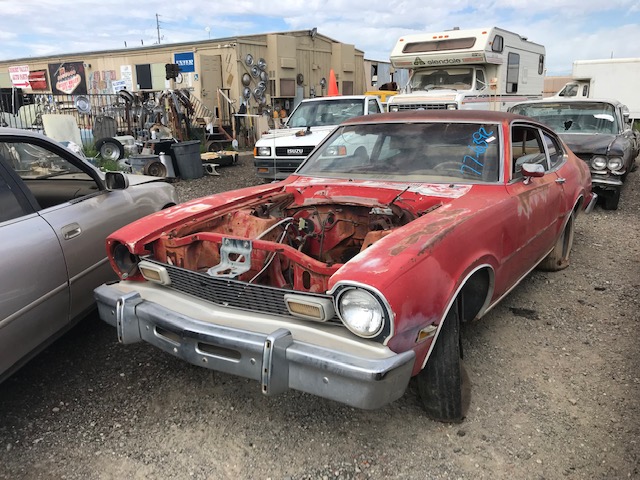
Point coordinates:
pixel 480 69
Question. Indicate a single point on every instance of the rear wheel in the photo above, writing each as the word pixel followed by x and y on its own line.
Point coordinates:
pixel 443 384
pixel 558 258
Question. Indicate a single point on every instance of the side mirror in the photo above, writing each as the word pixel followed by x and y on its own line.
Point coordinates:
pixel 116 181
pixel 530 170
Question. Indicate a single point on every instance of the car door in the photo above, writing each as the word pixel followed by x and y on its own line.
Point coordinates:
pixel 74 203
pixel 539 203
pixel 34 292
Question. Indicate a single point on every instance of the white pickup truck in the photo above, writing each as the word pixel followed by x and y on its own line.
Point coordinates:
pixel 279 153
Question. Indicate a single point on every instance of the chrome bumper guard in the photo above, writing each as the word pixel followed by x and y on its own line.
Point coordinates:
pixel 592 203
pixel 277 360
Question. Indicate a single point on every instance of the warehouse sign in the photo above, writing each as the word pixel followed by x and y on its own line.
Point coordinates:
pixel 19 75
pixel 185 61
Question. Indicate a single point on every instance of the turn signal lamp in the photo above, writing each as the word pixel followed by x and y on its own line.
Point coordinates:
pixel 318 309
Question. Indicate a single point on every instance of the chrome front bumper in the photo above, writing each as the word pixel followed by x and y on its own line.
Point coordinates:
pixel 277 360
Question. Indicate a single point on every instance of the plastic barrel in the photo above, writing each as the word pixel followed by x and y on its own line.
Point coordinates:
pixel 187 155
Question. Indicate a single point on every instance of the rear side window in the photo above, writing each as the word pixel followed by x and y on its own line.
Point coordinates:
pixel 556 154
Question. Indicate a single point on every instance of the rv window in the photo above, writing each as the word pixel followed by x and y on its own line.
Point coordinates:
pixel 480 81
pixel 498 43
pixel 513 71
pixel 439 45
pixel 585 91
pixel 541 65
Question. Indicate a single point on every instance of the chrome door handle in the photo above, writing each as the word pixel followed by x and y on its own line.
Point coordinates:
pixel 70 231
pixel 561 180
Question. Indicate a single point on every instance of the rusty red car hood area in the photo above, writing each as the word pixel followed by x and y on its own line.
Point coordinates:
pixel 313 226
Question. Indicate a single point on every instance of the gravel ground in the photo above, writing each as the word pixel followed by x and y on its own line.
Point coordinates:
pixel 555 395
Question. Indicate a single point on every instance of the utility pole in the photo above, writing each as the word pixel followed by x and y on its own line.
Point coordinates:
pixel 158 28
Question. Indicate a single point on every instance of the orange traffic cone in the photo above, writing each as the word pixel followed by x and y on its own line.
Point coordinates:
pixel 333 85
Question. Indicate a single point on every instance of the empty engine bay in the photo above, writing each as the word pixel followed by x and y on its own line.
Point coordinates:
pixel 278 243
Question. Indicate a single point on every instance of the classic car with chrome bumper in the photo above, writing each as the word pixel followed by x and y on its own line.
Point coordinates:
pixel 367 376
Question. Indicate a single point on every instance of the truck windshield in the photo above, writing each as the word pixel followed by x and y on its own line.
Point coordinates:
pixel 570 117
pixel 442 78
pixel 325 112
pixel 431 152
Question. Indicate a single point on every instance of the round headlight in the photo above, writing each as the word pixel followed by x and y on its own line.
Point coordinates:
pixel 614 163
pixel 599 163
pixel 361 312
pixel 264 151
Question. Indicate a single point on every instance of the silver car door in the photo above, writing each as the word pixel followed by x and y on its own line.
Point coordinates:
pixel 34 291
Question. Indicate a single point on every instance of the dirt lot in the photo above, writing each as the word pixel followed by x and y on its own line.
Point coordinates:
pixel 556 393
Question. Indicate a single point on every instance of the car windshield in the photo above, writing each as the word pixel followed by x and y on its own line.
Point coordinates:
pixel 442 78
pixel 421 152
pixel 325 112
pixel 583 117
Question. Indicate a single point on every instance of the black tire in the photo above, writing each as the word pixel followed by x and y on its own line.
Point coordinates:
pixel 610 202
pixel 155 168
pixel 559 257
pixel 110 148
pixel 443 384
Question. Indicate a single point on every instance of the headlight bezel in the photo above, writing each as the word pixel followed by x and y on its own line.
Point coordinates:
pixel 385 330
pixel 613 160
pixel 263 151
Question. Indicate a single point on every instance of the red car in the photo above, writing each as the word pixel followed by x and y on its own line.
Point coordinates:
pixel 354 274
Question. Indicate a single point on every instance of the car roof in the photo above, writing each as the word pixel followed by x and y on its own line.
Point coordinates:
pixel 472 116
pixel 571 100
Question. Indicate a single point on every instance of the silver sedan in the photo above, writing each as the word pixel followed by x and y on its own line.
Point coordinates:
pixel 56 211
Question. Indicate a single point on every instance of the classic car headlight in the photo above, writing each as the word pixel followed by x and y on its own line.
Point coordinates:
pixel 614 163
pixel 263 151
pixel 393 108
pixel 599 163
pixel 126 262
pixel 361 312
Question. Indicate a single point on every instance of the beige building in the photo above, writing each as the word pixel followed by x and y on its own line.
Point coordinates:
pixel 257 70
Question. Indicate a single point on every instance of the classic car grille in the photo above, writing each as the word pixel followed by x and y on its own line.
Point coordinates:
pixel 227 292
pixel 417 106
pixel 294 151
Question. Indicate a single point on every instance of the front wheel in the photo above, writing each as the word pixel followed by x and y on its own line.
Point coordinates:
pixel 443 384
pixel 558 258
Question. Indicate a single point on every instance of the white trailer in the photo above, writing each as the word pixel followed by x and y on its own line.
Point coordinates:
pixel 611 78
pixel 481 69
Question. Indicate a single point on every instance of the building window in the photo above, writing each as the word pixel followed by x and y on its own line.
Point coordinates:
pixel 143 77
pixel 513 72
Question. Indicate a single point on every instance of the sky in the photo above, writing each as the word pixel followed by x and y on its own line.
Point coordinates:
pixel 569 29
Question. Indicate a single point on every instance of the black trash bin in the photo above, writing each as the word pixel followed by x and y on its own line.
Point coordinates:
pixel 188 161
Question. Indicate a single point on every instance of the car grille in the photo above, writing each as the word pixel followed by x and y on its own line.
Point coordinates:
pixel 294 151
pixel 228 292
pixel 418 106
